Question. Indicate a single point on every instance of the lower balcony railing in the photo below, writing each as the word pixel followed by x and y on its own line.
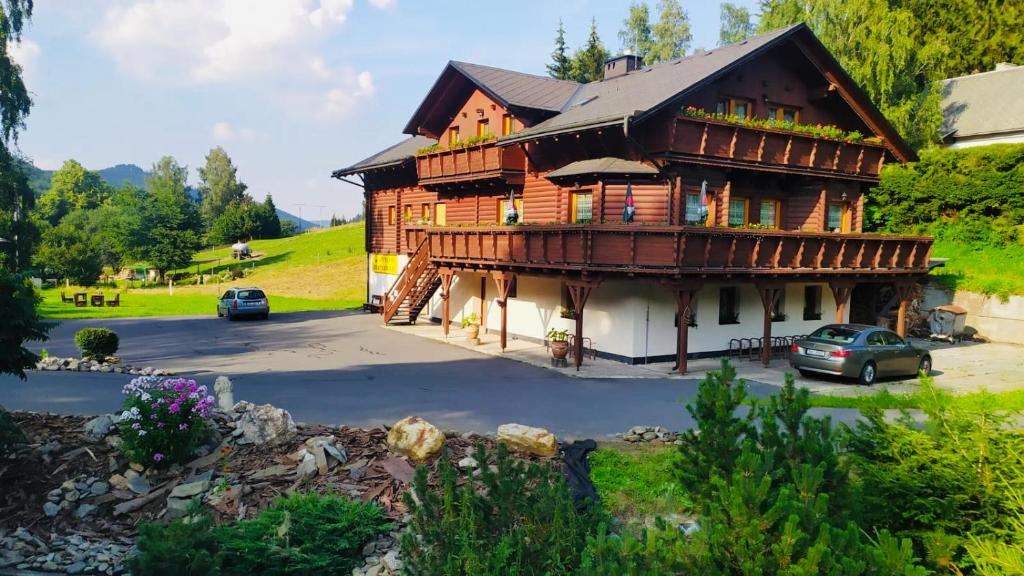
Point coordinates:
pixel 672 250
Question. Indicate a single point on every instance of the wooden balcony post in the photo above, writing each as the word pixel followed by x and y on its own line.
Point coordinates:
pixel 447 275
pixel 579 291
pixel 504 281
pixel 684 293
pixel 770 294
pixel 841 293
pixel 904 291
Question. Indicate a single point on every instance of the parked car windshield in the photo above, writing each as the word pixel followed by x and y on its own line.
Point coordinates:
pixel 250 294
pixel 836 334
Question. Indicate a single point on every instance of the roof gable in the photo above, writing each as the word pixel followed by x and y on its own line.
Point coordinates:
pixel 525 94
pixel 985 103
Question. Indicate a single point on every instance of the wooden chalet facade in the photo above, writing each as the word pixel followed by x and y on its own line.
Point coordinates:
pixel 741 227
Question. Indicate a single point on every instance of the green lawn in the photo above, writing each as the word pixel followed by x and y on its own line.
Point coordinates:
pixel 317 270
pixel 1012 400
pixel 638 481
pixel 995 270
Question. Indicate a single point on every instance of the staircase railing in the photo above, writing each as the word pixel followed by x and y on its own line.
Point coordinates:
pixel 406 281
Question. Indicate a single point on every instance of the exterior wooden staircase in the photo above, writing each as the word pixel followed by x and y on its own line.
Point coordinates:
pixel 411 292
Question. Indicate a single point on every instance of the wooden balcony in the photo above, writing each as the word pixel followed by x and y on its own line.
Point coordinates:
pixel 673 251
pixel 474 165
pixel 715 142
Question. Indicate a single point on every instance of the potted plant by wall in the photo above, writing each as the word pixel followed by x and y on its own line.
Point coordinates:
pixel 471 326
pixel 559 342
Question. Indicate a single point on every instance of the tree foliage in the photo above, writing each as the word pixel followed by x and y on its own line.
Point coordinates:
pixel 246 220
pixel 736 25
pixel 671 32
pixel 561 64
pixel 72 187
pixel 635 34
pixel 885 50
pixel 14 99
pixel 167 233
pixel 588 61
pixel 16 198
pixel 219 185
pixel 69 252
pixel 18 301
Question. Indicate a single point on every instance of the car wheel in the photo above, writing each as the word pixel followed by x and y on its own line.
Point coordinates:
pixel 868 373
pixel 230 316
pixel 925 366
pixel 266 316
pixel 219 314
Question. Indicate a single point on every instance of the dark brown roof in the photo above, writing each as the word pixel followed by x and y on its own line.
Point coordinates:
pixel 395 155
pixel 607 165
pixel 517 89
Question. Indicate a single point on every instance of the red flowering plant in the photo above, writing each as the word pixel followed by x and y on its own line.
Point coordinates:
pixel 162 421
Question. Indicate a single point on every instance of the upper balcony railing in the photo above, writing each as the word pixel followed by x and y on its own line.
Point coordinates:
pixel 673 250
pixel 721 142
pixel 470 164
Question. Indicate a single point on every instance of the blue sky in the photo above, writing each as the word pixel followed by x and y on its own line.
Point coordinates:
pixel 292 89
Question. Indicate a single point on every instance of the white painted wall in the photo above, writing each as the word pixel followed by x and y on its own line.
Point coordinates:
pixel 630 318
pixel 379 283
pixel 1008 138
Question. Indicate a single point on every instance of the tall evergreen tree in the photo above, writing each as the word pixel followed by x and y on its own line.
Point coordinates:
pixel 588 62
pixel 635 34
pixel 170 226
pixel 883 48
pixel 671 32
pixel 219 185
pixel 270 224
pixel 736 24
pixel 561 65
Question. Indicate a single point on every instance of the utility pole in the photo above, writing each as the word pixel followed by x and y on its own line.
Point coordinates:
pixel 320 219
pixel 300 215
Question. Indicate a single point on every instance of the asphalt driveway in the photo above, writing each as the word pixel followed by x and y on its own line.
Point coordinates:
pixel 344 368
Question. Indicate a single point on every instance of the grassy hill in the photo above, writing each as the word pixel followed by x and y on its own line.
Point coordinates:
pixel 318 270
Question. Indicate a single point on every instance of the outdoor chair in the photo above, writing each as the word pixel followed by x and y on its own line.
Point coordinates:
pixel 65 299
pixel 115 301
pixel 81 299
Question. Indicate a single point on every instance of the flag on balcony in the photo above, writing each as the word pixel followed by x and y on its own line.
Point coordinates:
pixel 511 214
pixel 703 211
pixel 629 210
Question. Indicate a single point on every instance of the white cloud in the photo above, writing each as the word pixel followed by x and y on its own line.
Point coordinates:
pixel 221 41
pixel 223 132
pixel 25 53
pixel 382 4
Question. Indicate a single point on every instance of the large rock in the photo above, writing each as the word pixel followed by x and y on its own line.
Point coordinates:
pixel 416 438
pixel 528 439
pixel 225 397
pixel 263 424
pixel 100 426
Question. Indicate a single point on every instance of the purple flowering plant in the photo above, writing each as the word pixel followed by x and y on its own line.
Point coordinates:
pixel 162 420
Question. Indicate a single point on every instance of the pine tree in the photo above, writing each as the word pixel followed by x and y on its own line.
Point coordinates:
pixel 219 184
pixel 560 66
pixel 588 62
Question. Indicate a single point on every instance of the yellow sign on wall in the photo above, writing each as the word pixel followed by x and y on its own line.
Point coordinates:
pixel 385 263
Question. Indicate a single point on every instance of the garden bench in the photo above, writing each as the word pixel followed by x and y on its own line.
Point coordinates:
pixel 65 299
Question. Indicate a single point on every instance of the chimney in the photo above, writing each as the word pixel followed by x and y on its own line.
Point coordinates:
pixel 622 64
pixel 999 66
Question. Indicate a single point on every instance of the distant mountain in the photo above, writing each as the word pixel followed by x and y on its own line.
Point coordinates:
pixel 118 175
pixel 302 223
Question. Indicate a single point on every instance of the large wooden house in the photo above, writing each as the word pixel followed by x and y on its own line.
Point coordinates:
pixel 744 170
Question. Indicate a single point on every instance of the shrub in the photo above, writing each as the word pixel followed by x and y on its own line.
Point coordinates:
pixel 517 519
pixel 163 420
pixel 305 534
pixel 10 434
pixel 97 342
pixel 301 534
pixel 18 302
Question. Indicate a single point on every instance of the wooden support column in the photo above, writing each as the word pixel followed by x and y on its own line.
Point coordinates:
pixel 504 281
pixel 770 294
pixel 904 291
pixel 579 291
pixel 684 293
pixel 841 293
pixel 447 275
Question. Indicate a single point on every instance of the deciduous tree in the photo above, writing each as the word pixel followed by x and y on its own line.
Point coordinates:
pixel 16 198
pixel 70 253
pixel 170 223
pixel 671 32
pixel 635 34
pixel 72 188
pixel 219 184
pixel 736 24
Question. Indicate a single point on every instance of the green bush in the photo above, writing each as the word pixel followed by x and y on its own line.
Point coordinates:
pixel 307 534
pixel 10 434
pixel 18 302
pixel 517 519
pixel 97 343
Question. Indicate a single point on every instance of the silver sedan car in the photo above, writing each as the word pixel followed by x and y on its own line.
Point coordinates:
pixel 858 351
pixel 238 302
